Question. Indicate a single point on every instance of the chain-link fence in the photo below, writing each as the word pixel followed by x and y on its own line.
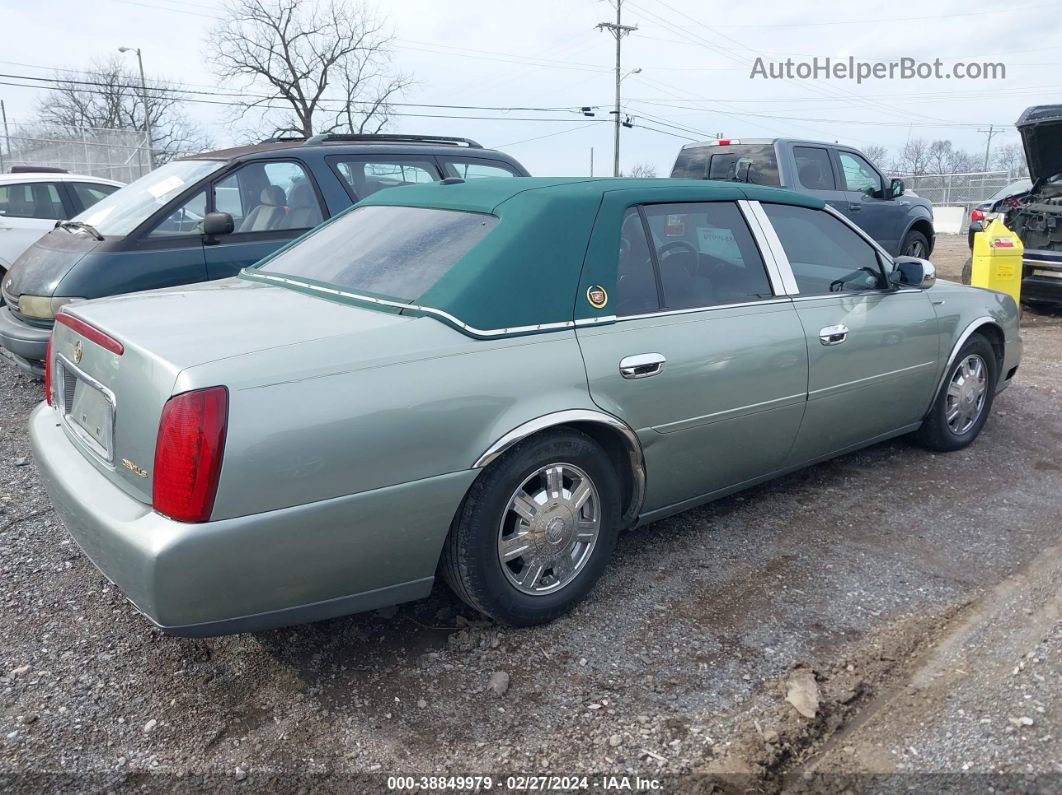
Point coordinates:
pixel 966 190
pixel 122 155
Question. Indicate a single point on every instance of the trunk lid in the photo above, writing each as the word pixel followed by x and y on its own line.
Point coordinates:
pixel 1041 135
pixel 110 403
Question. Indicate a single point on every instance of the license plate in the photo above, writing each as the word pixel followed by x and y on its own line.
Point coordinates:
pixel 89 412
pixel 1048 274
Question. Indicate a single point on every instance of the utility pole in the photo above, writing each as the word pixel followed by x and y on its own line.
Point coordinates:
pixel 7 138
pixel 147 107
pixel 990 132
pixel 619 30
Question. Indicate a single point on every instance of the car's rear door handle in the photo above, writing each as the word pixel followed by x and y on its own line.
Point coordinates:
pixel 833 335
pixel 642 365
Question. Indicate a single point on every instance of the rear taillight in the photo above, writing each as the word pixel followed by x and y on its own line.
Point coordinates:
pixel 188 454
pixel 977 215
pixel 48 373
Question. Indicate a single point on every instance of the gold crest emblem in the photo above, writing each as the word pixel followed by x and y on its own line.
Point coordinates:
pixel 77 352
pixel 597 296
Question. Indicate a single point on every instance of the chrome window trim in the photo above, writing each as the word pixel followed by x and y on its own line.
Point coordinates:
pixel 767 254
pixel 546 421
pixel 106 457
pixel 428 310
pixel 770 237
pixel 695 309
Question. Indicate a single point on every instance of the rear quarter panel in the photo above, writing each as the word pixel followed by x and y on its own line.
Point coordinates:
pixel 320 420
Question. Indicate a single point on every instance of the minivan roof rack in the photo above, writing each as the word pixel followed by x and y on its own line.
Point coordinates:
pixel 383 138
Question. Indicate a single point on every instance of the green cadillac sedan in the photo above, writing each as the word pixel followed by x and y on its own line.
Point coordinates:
pixel 487 381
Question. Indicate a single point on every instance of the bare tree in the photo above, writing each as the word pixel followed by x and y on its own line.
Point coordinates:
pixel 318 65
pixel 1011 157
pixel 877 155
pixel 640 170
pixel 107 95
pixel 913 157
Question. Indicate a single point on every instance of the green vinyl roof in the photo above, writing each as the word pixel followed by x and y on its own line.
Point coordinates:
pixel 525 275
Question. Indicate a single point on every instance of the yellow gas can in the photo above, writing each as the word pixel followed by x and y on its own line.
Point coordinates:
pixel 997 254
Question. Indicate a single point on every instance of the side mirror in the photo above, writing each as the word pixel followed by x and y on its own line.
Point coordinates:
pixel 914 272
pixel 896 188
pixel 215 224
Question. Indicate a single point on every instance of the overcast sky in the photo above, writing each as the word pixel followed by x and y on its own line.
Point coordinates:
pixel 695 57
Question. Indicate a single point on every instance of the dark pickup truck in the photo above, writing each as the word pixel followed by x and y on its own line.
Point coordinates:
pixel 841 176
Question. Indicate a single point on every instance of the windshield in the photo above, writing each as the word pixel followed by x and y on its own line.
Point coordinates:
pixel 125 209
pixel 398 252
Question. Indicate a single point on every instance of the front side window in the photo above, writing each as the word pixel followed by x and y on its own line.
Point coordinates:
pixel 127 208
pixel 31 200
pixel 859 175
pixel 90 193
pixel 813 168
pixel 263 197
pixel 475 169
pixel 706 255
pixel 185 220
pixel 366 175
pixel 825 254
pixel 395 252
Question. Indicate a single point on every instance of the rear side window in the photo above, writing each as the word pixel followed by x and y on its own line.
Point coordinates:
pixel 31 200
pixel 825 254
pixel 813 168
pixel 755 163
pixel 474 169
pixel 395 252
pixel 363 176
pixel 636 284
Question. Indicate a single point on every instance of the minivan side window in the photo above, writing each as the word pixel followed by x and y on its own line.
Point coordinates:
pixel 474 169
pixel 268 196
pixel 813 168
pixel 363 176
pixel 825 254
pixel 185 220
pixel 706 255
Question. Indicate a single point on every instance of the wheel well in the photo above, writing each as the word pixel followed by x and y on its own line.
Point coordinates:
pixel 618 452
pixel 926 228
pixel 994 335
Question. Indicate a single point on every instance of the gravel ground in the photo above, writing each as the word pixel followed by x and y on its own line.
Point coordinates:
pixel 675 667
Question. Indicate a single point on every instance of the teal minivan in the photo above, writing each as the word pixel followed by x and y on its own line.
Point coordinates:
pixel 208 216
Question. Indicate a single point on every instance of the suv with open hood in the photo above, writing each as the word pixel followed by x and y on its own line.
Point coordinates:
pixel 206 217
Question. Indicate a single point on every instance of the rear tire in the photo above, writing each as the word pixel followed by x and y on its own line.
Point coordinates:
pixel 535 530
pixel 915 244
pixel 967 271
pixel 961 408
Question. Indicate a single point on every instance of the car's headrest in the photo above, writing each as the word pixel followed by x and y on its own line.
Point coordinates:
pixel 274 195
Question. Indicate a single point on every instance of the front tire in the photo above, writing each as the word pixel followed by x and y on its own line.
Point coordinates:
pixel 536 529
pixel 965 399
pixel 915 244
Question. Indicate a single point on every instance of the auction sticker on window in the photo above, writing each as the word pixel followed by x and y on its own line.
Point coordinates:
pixel 718 242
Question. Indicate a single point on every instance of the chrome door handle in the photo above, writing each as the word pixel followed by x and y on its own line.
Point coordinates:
pixel 833 335
pixel 642 365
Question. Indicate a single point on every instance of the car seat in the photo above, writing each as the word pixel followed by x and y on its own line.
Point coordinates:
pixel 269 213
pixel 303 211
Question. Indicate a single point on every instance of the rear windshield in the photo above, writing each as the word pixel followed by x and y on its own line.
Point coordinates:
pixel 397 252
pixel 754 163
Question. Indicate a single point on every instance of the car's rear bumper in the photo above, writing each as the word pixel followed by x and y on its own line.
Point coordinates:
pixel 288 566
pixel 23 344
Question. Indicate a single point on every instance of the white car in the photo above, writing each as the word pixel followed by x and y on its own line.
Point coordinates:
pixel 32 201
